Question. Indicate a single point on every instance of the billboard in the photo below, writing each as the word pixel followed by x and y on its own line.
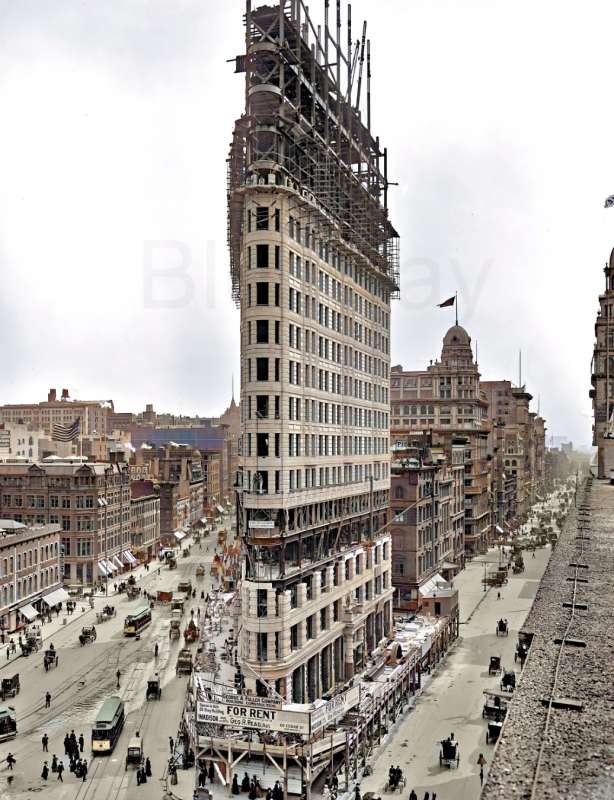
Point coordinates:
pixel 238 715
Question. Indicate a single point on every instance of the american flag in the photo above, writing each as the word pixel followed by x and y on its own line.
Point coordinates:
pixel 609 201
pixel 66 433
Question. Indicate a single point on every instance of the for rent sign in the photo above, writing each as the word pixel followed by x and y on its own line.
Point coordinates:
pixel 236 715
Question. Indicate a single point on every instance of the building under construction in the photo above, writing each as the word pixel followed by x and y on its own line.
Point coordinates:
pixel 314 264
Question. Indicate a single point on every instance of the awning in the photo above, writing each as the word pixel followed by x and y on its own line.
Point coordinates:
pixel 129 558
pixel 179 535
pixel 118 562
pixel 103 570
pixel 29 612
pixel 54 598
pixel 449 565
pixel 109 566
pixel 499 529
pixel 203 520
pixel 220 510
pixel 431 586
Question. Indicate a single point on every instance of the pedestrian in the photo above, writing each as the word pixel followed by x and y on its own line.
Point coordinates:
pixel 48 700
pixel 84 769
pixel 118 675
pixel 66 744
pixel 11 761
pixel 60 771
pixel 45 772
pixel 413 795
pixel 45 741
pixel 138 777
pixel 357 795
pixel 481 764
pixel 426 796
pixel 434 796
pixel 156 650
pixel 81 742
pixel 498 595
pixel 235 785
pixel 211 772
pixel 171 744
pixel 54 763
pixel 143 775
pixel 148 767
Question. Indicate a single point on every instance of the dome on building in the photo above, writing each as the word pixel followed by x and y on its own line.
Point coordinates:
pixel 457 337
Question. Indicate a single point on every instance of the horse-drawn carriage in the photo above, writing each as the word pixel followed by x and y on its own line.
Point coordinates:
pixel 106 613
pixel 190 634
pixel 135 757
pixel 508 681
pixel 154 690
pixel 495 707
pixel 449 755
pixel 200 571
pixel 184 662
pixel 132 592
pixel 88 634
pixel 494 667
pixel 50 659
pixel 522 650
pixel 10 686
pixel 493 729
pixel 172 562
pixel 502 628
pixel 32 644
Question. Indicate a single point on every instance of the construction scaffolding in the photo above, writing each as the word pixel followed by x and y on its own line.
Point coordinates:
pixel 303 134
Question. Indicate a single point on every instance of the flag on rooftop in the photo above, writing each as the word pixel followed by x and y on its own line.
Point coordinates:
pixel 66 433
pixel 609 201
pixel 449 302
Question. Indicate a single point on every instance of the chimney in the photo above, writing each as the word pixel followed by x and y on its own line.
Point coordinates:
pixel 52 396
pixel 64 394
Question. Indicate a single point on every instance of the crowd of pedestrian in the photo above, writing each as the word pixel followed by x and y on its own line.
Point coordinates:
pixel 73 750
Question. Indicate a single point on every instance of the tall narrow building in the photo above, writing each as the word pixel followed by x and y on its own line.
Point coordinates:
pixel 314 264
pixel 602 377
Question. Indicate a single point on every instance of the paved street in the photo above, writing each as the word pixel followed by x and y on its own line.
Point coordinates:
pixel 84 677
pixel 453 700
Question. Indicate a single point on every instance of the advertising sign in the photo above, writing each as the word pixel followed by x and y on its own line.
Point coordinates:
pixel 335 709
pixel 236 715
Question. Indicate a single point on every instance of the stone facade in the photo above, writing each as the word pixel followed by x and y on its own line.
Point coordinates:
pixel 602 377
pixel 43 415
pixel 445 402
pixel 144 519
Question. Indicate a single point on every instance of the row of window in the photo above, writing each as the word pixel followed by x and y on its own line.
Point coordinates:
pixel 264 293
pixel 268 445
pixel 311 477
pixel 28 559
pixel 27 586
pixel 317 412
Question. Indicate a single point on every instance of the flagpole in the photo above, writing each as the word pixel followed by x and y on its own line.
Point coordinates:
pixel 456 306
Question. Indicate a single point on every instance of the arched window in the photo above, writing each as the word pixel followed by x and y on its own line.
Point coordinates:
pixel 399 492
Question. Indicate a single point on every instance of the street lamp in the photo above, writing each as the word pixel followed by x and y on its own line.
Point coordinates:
pixel 102 503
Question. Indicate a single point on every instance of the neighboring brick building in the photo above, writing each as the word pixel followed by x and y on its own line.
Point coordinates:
pixel 89 501
pixel 178 475
pixel 427 500
pixel 43 415
pixel 211 476
pixel 29 572
pixel 144 519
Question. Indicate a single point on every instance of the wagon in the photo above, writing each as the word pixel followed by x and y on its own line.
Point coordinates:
pixel 190 634
pixel 502 628
pixel 172 563
pixel 154 690
pixel 449 755
pixel 10 686
pixel 495 707
pixel 135 756
pixel 200 571
pixel 88 634
pixel 493 730
pixel 494 668
pixel 132 592
pixel 50 659
pixel 184 662
pixel 508 681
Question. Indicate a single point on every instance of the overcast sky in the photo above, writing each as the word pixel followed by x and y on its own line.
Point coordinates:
pixel 116 119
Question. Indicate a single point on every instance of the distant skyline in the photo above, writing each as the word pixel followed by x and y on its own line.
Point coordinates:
pixel 116 123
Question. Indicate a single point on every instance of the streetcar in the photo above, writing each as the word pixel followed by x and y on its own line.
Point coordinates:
pixel 108 726
pixel 8 723
pixel 134 623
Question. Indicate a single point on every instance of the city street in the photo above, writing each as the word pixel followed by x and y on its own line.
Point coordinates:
pixel 453 700
pixel 85 676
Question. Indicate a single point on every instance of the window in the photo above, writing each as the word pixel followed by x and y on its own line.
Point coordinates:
pixel 262 445
pixel 262 369
pixel 262 331
pixel 262 218
pixel 262 406
pixel 262 294
pixel 262 256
